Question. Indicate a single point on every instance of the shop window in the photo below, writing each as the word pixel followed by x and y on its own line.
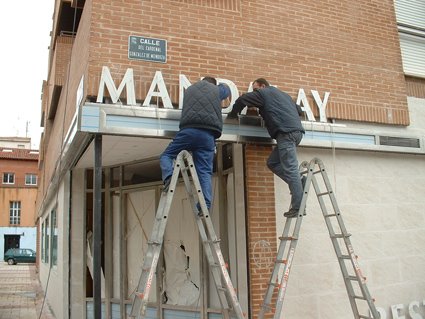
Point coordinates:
pixel 54 236
pixel 46 236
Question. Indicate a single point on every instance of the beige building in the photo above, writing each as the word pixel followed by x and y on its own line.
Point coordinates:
pixel 113 93
pixel 18 192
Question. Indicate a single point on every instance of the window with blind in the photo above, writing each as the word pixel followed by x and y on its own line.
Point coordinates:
pixel 411 27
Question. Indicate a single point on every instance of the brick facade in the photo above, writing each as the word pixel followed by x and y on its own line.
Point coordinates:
pixel 19 162
pixel 349 49
pixel 261 222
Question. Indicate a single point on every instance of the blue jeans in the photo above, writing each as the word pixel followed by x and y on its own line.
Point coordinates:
pixel 202 145
pixel 284 163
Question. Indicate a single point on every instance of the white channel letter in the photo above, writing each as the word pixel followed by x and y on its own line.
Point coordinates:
pixel 321 105
pixel 184 83
pixel 127 81
pixel 395 311
pixel 162 92
pixel 413 313
pixel 305 106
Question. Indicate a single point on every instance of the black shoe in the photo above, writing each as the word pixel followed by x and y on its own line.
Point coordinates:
pixel 166 184
pixel 292 213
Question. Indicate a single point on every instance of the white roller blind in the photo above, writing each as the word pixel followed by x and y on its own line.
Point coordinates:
pixel 411 12
pixel 413 54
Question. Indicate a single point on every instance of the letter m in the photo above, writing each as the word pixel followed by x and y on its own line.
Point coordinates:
pixel 127 81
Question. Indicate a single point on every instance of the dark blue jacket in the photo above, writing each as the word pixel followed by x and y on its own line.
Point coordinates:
pixel 279 111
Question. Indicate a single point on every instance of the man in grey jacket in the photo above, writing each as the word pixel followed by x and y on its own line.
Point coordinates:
pixel 201 123
pixel 282 118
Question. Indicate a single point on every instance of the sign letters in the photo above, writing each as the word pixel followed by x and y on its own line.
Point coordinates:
pixel 158 89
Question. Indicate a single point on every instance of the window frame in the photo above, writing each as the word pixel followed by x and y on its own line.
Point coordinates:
pixel 33 179
pixel 6 178
pixel 15 208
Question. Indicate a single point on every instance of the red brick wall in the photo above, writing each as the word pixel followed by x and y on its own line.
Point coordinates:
pixel 348 48
pixel 261 222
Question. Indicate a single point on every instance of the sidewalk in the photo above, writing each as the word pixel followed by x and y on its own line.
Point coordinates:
pixel 21 296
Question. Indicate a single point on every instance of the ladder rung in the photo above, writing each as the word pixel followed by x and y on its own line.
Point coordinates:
pixel 288 238
pixel 352 278
pixel 365 317
pixel 330 215
pixel 359 297
pixel 345 257
pixel 280 261
pixel 340 236
pixel 211 241
pixel 324 193
pixel 150 242
pixel 317 172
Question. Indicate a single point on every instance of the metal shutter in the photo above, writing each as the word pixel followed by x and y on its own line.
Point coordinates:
pixel 413 54
pixel 411 26
pixel 411 13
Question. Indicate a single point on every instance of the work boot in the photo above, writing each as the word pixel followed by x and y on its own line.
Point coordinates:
pixel 292 213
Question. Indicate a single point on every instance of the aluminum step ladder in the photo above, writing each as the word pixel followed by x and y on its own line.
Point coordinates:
pixel 354 281
pixel 211 244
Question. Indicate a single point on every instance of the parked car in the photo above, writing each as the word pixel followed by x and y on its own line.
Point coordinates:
pixel 19 255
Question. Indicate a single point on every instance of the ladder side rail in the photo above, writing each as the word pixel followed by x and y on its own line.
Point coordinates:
pixel 332 197
pixel 203 234
pixel 213 241
pixel 274 277
pixel 287 268
pixel 150 261
pixel 143 287
pixel 362 282
pixel 294 242
pixel 353 258
pixel 337 248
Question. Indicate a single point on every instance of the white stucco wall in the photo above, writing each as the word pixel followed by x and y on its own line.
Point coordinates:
pixel 381 198
pixel 54 278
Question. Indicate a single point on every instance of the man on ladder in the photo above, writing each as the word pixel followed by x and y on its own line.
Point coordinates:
pixel 201 123
pixel 282 118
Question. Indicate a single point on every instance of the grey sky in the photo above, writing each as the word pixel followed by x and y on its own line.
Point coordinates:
pixel 25 36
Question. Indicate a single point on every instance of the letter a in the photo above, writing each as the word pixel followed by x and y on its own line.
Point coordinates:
pixel 158 80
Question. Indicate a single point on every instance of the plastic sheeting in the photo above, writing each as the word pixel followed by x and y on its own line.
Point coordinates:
pixel 178 286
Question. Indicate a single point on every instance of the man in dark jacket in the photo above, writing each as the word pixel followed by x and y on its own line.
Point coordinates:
pixel 201 123
pixel 282 118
